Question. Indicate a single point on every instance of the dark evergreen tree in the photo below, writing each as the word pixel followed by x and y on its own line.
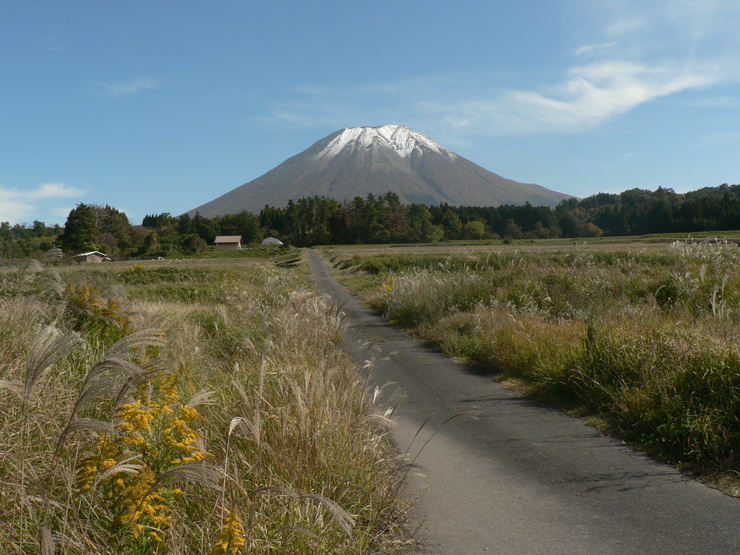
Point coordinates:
pixel 80 230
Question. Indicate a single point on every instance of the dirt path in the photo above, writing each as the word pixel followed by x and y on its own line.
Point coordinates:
pixel 514 476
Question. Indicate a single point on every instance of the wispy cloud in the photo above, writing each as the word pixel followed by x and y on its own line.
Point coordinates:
pixel 592 48
pixel 634 52
pixel 588 97
pixel 54 191
pixel 20 206
pixel 128 88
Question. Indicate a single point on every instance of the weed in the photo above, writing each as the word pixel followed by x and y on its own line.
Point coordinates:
pixel 239 426
pixel 647 340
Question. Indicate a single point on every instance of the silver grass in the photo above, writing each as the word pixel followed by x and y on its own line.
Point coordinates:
pixel 236 421
pixel 49 346
pixel 198 473
pixel 379 420
pixel 48 546
pixel 15 386
pixel 346 521
pixel 114 364
pixel 31 265
pixel 269 490
pixel 125 466
pixel 203 397
pixel 154 337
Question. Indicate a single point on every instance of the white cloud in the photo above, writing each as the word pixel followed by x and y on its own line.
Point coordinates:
pixel 17 206
pixel 651 50
pixel 128 88
pixel 633 52
pixel 55 190
pixel 591 48
pixel 596 93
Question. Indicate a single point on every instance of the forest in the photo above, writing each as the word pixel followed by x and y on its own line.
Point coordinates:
pixel 377 219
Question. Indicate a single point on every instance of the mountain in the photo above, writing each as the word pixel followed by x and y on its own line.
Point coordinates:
pixel 360 160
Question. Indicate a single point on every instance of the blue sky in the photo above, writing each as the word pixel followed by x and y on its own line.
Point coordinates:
pixel 154 106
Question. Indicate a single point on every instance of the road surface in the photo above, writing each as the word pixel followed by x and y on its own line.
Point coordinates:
pixel 508 475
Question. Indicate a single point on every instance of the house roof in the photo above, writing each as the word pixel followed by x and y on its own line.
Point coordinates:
pixel 91 253
pixel 229 239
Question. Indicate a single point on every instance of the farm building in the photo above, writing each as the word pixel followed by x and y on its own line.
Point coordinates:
pixel 272 241
pixel 229 242
pixel 91 257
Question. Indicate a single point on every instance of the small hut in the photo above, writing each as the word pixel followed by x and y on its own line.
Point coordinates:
pixel 92 257
pixel 229 242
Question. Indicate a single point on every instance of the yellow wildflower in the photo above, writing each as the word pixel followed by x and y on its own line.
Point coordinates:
pixel 231 537
pixel 388 284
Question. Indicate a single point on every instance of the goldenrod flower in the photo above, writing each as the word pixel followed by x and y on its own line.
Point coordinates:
pixel 388 284
pixel 155 429
pixel 231 537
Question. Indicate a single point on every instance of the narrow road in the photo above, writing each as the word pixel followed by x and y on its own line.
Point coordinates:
pixel 510 475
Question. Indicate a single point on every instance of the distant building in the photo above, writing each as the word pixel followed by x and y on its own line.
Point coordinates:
pixel 229 242
pixel 271 241
pixel 93 257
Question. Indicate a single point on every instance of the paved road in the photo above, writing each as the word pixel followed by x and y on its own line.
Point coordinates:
pixel 514 476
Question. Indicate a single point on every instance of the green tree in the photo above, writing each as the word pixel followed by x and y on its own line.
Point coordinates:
pixel 80 230
pixel 512 230
pixel 452 224
pixel 474 230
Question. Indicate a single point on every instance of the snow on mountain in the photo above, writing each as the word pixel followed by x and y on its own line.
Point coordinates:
pixel 358 161
pixel 396 137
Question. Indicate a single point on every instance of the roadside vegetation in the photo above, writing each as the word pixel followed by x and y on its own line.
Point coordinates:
pixel 643 341
pixel 184 407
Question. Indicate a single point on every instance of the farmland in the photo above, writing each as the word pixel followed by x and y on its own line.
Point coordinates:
pixel 640 337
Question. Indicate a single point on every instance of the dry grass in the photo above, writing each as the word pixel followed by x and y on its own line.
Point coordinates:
pixel 646 339
pixel 184 408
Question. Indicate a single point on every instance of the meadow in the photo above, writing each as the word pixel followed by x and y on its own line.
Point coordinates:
pixel 638 336
pixel 185 407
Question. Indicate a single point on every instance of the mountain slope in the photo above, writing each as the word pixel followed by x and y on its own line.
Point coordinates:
pixel 361 160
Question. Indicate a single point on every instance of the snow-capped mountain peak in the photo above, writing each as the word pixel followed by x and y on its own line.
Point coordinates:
pixel 359 161
pixel 399 138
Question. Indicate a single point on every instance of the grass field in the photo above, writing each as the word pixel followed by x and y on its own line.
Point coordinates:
pixel 184 407
pixel 640 335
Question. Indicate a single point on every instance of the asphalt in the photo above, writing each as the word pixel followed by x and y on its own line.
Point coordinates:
pixel 493 471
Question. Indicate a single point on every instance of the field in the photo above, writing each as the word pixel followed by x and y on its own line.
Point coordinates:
pixel 184 407
pixel 639 336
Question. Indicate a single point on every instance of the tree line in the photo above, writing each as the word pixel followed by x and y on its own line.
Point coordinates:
pixel 379 219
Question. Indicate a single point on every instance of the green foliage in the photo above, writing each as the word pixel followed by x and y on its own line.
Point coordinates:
pixel 102 228
pixel 669 387
pixel 383 219
pixel 80 230
pixel 647 340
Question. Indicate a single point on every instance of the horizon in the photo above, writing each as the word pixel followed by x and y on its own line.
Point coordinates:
pixel 152 111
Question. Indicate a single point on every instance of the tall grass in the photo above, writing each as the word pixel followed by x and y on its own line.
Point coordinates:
pixel 646 340
pixel 205 408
